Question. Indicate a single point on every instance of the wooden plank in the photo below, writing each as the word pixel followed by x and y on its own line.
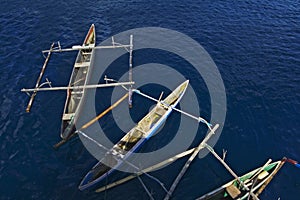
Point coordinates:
pixel 39 79
pixel 82 64
pixel 68 116
pixel 233 191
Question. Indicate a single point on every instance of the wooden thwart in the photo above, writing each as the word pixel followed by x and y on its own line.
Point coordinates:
pixel 82 64
pixel 233 191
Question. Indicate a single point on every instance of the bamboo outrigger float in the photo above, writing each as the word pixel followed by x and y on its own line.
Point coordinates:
pixel 37 85
pixel 133 139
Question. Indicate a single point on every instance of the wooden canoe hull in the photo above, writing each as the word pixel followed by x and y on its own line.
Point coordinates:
pixel 133 140
pixel 78 78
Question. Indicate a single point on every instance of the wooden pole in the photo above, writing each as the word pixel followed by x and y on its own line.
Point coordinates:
pixel 78 47
pixel 262 168
pixel 104 112
pixel 63 141
pixel 130 72
pixel 187 164
pixel 255 174
pixel 230 171
pixel 39 79
pixel 78 87
pixel 199 119
pixel 152 168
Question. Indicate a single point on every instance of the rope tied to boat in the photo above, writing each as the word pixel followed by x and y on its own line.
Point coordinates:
pixel 125 161
pixel 294 162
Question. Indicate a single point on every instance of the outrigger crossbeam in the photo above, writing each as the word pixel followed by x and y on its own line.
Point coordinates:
pixel 77 87
pixel 56 47
pixel 199 119
pixel 79 47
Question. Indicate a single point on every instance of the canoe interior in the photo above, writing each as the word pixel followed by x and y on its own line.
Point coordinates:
pixel 254 180
pixel 78 78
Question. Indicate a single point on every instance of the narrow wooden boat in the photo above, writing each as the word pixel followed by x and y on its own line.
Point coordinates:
pixel 78 78
pixel 134 138
pixel 257 180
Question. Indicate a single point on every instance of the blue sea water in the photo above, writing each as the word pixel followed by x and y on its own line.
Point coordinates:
pixel 255 45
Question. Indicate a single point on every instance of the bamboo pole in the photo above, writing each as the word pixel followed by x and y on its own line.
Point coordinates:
pixel 130 72
pixel 230 171
pixel 77 87
pixel 152 168
pixel 39 79
pixel 187 164
pixel 63 141
pixel 198 119
pixel 79 47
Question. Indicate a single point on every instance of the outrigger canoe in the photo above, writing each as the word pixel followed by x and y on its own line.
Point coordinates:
pixel 257 180
pixel 78 78
pixel 133 139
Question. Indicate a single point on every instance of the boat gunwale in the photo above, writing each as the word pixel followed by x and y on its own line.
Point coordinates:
pixel 67 101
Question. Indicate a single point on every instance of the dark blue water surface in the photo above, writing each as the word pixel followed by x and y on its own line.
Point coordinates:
pixel 255 45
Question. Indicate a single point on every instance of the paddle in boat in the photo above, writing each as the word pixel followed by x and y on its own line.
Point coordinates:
pixel 134 138
pixel 256 180
pixel 78 78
